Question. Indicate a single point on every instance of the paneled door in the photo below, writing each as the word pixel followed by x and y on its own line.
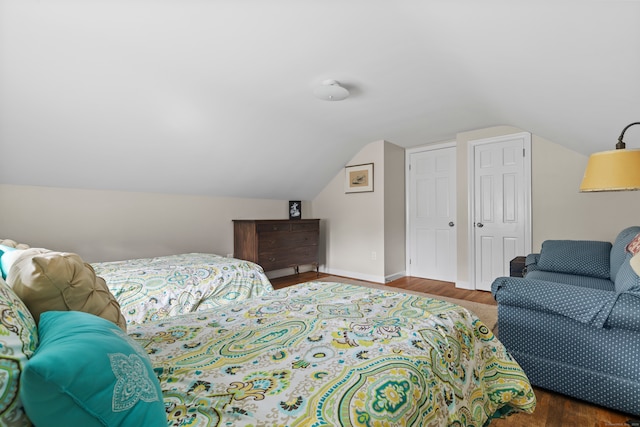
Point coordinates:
pixel 431 237
pixel 500 204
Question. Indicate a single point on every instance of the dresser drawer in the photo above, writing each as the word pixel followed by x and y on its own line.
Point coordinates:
pixel 279 240
pixel 273 260
pixel 272 227
pixel 305 226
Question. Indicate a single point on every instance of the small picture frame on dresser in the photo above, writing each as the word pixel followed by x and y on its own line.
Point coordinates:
pixel 295 209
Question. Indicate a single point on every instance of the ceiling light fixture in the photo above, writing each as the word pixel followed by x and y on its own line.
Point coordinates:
pixel 614 170
pixel 330 90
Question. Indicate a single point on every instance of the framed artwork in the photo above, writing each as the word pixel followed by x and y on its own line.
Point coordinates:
pixel 358 178
pixel 295 209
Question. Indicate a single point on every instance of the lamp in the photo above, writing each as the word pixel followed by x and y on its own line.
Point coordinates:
pixel 614 170
pixel 330 90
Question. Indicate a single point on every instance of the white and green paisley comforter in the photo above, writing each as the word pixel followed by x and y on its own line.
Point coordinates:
pixel 332 354
pixel 156 288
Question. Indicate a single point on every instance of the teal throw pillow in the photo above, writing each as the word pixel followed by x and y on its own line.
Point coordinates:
pixel 87 372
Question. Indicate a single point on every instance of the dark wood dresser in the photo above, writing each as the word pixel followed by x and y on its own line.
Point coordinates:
pixel 277 243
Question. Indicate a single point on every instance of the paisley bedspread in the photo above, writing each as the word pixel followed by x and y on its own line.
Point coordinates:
pixel 332 354
pixel 156 288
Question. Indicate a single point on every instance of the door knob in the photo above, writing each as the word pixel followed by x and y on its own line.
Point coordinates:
pixel 480 225
pixel 451 224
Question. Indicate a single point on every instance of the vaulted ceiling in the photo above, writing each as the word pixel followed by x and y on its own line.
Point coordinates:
pixel 215 97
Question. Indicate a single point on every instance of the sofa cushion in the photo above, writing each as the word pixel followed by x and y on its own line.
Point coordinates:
pixel 88 372
pixel 18 341
pixel 584 305
pixel 572 279
pixel 582 257
pixel 47 280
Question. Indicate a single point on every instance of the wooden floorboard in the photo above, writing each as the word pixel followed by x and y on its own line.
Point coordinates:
pixel 552 410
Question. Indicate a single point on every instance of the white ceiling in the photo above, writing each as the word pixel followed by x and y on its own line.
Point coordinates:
pixel 215 97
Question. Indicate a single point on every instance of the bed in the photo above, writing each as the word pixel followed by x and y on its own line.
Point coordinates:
pixel 331 354
pixel 314 354
pixel 155 288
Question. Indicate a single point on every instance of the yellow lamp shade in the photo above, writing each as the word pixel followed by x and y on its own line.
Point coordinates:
pixel 615 170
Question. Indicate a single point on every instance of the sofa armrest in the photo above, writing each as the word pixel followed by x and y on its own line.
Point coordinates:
pixel 625 313
pixel 585 305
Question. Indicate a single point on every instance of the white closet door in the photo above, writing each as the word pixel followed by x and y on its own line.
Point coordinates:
pixel 432 214
pixel 500 206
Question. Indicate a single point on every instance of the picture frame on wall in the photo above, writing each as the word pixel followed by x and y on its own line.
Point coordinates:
pixel 295 209
pixel 358 178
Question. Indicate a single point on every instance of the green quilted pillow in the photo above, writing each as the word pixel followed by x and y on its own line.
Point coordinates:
pixel 18 341
pixel 87 372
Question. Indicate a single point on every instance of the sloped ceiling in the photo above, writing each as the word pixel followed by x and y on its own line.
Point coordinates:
pixel 215 97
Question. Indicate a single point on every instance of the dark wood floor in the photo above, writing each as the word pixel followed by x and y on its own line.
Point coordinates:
pixel 553 409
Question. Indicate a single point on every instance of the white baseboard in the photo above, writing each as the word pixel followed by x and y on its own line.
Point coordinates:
pixel 395 276
pixel 354 275
pixel 344 273
pixel 464 285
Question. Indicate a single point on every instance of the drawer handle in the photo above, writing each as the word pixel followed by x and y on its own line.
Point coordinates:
pixel 276 228
pixel 272 259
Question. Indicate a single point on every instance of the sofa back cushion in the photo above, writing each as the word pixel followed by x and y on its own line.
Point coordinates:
pixel 619 249
pixel 582 257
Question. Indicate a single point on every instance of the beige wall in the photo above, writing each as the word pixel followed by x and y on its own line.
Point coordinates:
pixel 353 231
pixel 112 225
pixel 559 210
pixel 363 233
pixel 394 212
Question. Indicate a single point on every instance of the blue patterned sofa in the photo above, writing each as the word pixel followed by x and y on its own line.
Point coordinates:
pixel 573 321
